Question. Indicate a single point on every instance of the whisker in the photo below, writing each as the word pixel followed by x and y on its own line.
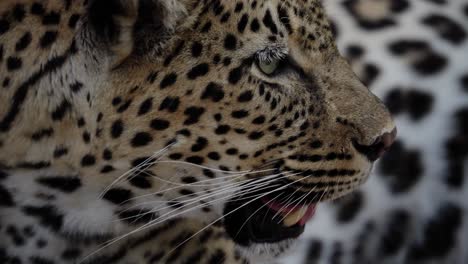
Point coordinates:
pixel 282 187
pixel 135 168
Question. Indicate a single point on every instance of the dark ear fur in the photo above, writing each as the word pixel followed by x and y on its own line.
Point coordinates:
pixel 132 27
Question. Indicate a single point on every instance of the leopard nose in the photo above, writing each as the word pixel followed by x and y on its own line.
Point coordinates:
pixel 379 147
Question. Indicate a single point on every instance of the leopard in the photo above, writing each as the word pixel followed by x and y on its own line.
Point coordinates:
pixel 175 131
pixel 413 209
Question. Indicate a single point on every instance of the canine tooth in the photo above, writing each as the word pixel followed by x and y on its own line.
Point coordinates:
pixel 294 217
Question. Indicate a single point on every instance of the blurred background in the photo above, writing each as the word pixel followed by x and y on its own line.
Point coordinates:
pixel 414 55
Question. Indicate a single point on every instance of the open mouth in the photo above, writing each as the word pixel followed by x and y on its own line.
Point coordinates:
pixel 265 220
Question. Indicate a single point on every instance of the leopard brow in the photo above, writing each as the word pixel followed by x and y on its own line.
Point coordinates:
pixel 271 53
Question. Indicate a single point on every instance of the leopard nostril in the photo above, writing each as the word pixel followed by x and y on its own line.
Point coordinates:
pixel 379 147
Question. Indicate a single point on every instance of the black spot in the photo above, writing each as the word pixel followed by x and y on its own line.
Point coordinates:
pixel 269 23
pixel 198 71
pixel 145 106
pixel 141 139
pixel 116 101
pixel 71 254
pixel 107 154
pixel 259 120
pixel 76 87
pixel 152 76
pixel 48 38
pixel 170 104
pixel 168 80
pixel 239 114
pixel 4 26
pixel 177 50
pixel 140 180
pixel 427 62
pixel 61 110
pixel 51 18
pixel 230 42
pixel 415 101
pixel 209 173
pixel 197 256
pixel 447 28
pixel 189 180
pixel 41 134
pixel 348 207
pixel 160 124
pixel 65 184
pixel 464 82
pixel 256 135
pixel 232 151
pixel 371 72
pixel 176 156
pixel 242 23
pixel 284 18
pixel 37 9
pixel 419 104
pixel 432 63
pixel 235 75
pixel 245 97
pixel 197 49
pixel 239 7
pixel 117 129
pixel 214 92
pixel 193 114
pixel 206 27
pixel 395 101
pixel 14 63
pixel 316 144
pixel 393 239
pixel 440 235
pixel 48 216
pixel 88 160
pixel 195 160
pixel 34 165
pixel 214 156
pixel 219 257
pixel 401 168
pixel 354 51
pixel 107 169
pixel 222 129
pixel 23 42
pixel 125 106
pixel 6 199
pixel 314 251
pixel 402 47
pixel 118 196
pixel 73 20
pixel 40 260
pixel 200 144
pixel 3 175
pixel 60 151
pixel 19 12
pixel 254 25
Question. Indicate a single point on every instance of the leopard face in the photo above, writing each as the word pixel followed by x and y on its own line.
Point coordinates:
pixel 239 112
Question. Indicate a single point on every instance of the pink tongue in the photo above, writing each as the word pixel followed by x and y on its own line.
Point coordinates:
pixel 284 210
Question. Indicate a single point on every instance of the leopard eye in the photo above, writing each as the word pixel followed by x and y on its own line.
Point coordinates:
pixel 268 67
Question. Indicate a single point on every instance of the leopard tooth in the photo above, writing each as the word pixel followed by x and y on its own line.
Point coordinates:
pixel 294 217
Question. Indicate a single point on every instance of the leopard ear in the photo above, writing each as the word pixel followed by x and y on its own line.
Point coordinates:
pixel 128 27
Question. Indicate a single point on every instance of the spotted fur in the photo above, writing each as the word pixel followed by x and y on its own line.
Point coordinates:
pixel 412 54
pixel 119 114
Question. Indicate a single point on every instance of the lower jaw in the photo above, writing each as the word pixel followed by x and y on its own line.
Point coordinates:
pixel 255 222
